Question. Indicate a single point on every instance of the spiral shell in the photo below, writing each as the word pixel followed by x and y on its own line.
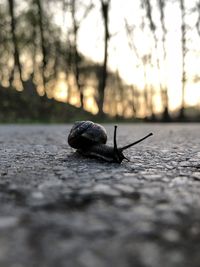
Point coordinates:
pixel 86 133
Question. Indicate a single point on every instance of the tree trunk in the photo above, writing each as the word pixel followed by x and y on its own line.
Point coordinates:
pixel 15 44
pixel 103 72
pixel 43 46
pixel 164 90
pixel 152 26
pixel 183 48
pixel 76 54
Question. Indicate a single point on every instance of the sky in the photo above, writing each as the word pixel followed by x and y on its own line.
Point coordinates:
pixel 123 59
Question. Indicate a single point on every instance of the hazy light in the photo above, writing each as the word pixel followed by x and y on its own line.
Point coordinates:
pixel 90 105
pixel 61 91
pixel 123 59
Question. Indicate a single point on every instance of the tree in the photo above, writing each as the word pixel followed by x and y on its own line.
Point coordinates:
pixel 105 5
pixel 76 57
pixel 198 19
pixel 43 43
pixel 152 26
pixel 164 91
pixel 17 64
pixel 6 48
pixel 144 60
pixel 183 50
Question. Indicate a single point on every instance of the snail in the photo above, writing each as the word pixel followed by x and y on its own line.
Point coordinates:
pixel 90 138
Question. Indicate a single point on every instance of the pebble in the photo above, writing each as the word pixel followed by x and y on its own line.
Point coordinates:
pixel 7 222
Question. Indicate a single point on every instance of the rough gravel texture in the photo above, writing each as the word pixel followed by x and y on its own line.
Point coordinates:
pixel 60 209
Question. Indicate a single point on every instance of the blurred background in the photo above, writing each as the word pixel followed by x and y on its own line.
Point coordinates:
pixel 66 60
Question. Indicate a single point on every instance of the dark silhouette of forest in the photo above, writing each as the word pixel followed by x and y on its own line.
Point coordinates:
pixel 35 52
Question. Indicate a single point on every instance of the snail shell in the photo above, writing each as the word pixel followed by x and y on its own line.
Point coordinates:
pixel 86 134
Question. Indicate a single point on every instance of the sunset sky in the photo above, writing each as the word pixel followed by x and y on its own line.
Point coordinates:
pixel 122 58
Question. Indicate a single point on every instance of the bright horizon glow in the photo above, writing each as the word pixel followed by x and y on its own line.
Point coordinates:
pixel 121 58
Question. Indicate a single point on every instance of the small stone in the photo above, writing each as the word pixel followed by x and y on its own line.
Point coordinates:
pixel 181 180
pixel 124 188
pixel 184 164
pixel 37 195
pixel 7 222
pixel 171 235
pixel 153 177
pixel 49 184
pixel 105 189
pixel 196 175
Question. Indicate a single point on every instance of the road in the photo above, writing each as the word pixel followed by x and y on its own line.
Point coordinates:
pixel 60 209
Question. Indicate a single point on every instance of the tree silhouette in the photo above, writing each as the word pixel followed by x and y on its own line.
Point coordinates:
pixel 17 64
pixel 43 42
pixel 198 19
pixel 164 90
pixel 76 57
pixel 105 5
pixel 183 50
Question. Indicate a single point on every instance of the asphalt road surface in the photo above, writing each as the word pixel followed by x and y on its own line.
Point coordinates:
pixel 59 209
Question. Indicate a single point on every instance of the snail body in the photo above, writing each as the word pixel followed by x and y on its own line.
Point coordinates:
pixel 90 140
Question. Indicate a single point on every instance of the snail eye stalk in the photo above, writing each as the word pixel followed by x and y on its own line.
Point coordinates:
pixel 136 142
pixel 118 155
pixel 115 139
